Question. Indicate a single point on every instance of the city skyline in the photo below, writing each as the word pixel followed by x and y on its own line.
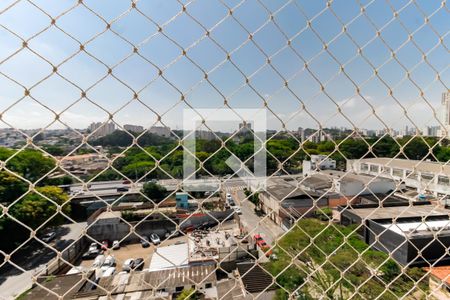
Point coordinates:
pixel 407 73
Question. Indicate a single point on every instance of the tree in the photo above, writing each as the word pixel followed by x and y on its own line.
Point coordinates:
pixel 11 187
pixel 154 191
pixel 186 294
pixel 35 209
pixel 353 149
pixel 30 164
pixel 54 150
pixel 138 169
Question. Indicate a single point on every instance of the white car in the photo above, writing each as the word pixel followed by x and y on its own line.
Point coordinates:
pixel 109 271
pixel 115 245
pixel 93 247
pixel 99 260
pixel 237 210
pixel 128 264
pixel 155 239
pixel 110 261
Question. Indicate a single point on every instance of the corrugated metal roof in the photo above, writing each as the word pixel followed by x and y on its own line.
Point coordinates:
pixel 170 257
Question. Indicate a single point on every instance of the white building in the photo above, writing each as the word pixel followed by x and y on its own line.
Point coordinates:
pixel 317 163
pixel 163 131
pixel 425 176
pixel 133 128
pixel 431 131
pixel 351 184
pixel 100 129
pixel 445 129
pixel 245 127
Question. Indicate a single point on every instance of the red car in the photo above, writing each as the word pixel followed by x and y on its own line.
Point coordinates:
pixel 262 244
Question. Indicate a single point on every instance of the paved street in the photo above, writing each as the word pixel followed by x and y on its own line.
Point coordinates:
pixel 33 258
pixel 255 224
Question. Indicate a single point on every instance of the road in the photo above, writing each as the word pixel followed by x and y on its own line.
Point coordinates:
pixel 255 224
pixel 33 258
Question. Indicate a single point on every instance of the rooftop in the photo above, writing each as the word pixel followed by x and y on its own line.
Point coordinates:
pixel 282 191
pixel 393 212
pixel 136 285
pixel 421 166
pixel 419 227
pixel 206 245
pixel 169 278
pixel 442 273
pixel 168 257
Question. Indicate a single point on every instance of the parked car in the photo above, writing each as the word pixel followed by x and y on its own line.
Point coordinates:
pixel 237 210
pixel 90 254
pixel 48 236
pixel 145 242
pixel 99 260
pixel 110 261
pixel 115 245
pixel 122 189
pixel 128 265
pixel 231 203
pixel 109 272
pixel 93 246
pixel 138 264
pixel 155 239
pixel 261 243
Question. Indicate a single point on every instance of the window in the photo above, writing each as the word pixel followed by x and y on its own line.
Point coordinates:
pixel 364 167
pixel 443 180
pixel 374 168
pixel 427 177
pixel 397 172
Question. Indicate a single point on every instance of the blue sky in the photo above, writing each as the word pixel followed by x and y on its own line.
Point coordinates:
pixel 138 73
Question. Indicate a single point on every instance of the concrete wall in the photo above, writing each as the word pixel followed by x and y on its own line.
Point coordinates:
pixel 121 230
pixel 355 187
pixel 387 241
pixel 438 289
pixel 433 249
pixel 71 254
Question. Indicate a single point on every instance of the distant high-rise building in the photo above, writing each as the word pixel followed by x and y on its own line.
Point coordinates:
pixel 160 131
pixel 431 131
pixel 301 134
pixel 100 129
pixel 245 127
pixel 445 129
pixel 133 128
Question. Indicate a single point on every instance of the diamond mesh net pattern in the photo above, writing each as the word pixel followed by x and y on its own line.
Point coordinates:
pixel 323 234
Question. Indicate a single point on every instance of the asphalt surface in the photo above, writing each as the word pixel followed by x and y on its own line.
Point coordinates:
pixel 33 258
pixel 255 224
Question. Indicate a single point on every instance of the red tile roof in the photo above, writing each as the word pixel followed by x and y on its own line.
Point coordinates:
pixel 442 273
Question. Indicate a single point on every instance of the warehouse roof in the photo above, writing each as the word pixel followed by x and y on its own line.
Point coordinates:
pixel 170 257
pixel 394 212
